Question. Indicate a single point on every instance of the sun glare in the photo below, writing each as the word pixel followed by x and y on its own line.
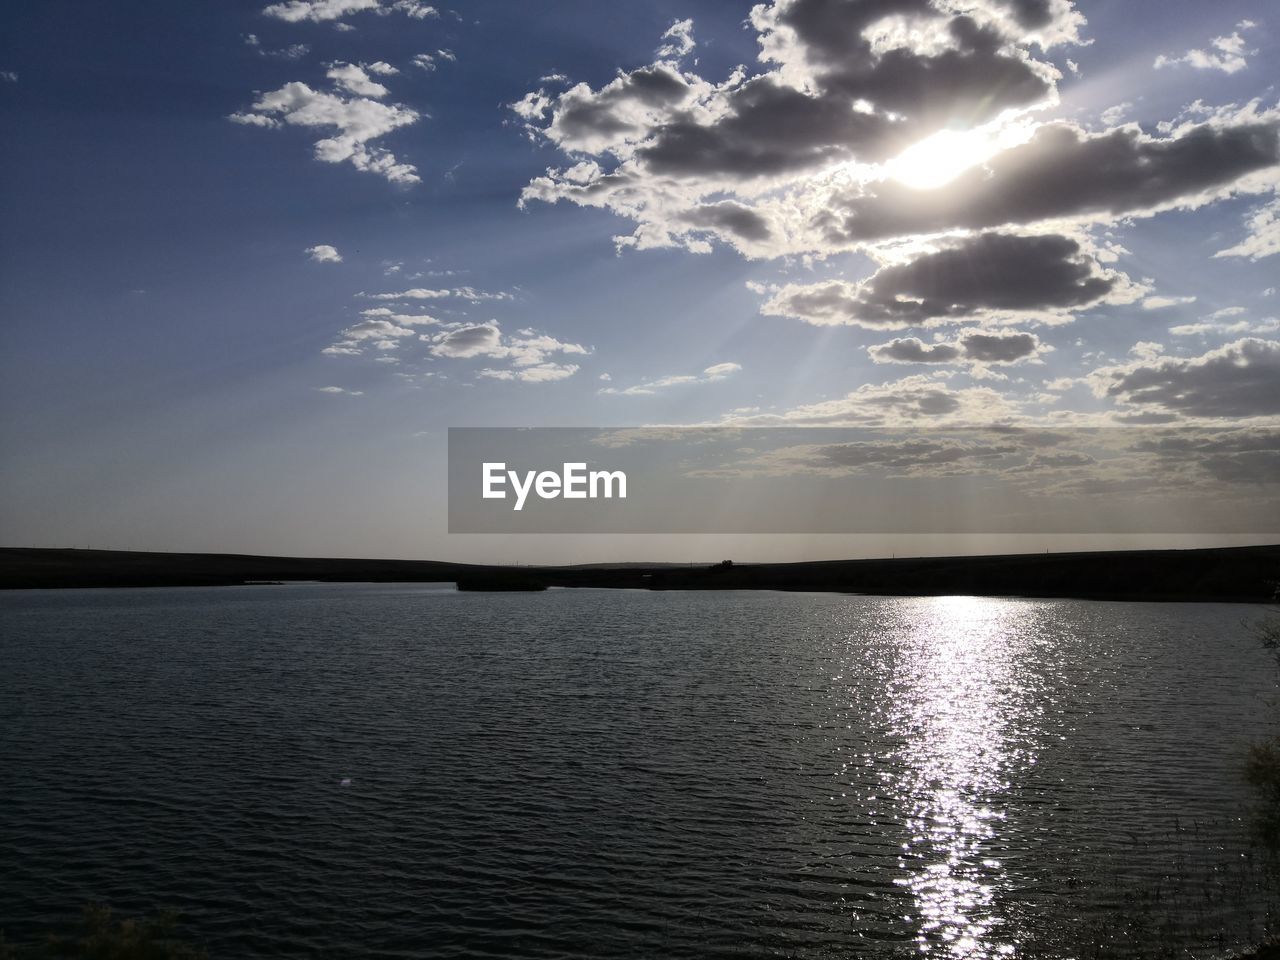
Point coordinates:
pixel 938 159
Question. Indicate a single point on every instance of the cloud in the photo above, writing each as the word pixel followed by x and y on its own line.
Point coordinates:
pixel 541 373
pixel 975 347
pixel 532 357
pixel 1160 302
pixel 294 51
pixel 340 391
pixel 1227 54
pixel 912 350
pixel 462 342
pixel 357 121
pixel 1240 379
pixel 711 374
pixel 1063 172
pixel 1016 177
pixel 415 10
pixel 323 253
pixel 992 273
pixel 842 82
pixel 381 329
pixel 319 11
pixel 426 293
pixel 1216 323
pixel 812 153
pixel 429 61
pixel 911 400
pixel 354 79
pixel 677 41
pixel 1264 235
pixel 1113 115
pixel 405 319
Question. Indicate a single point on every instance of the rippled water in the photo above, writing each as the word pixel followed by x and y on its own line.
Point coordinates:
pixel 397 771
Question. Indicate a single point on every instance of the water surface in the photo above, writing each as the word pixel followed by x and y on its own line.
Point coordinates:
pixel 403 770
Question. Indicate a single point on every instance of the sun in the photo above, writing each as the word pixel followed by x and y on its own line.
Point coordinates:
pixel 938 159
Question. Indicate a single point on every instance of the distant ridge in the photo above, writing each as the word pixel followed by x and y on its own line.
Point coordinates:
pixel 1231 574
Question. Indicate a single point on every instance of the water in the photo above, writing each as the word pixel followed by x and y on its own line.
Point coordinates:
pixel 406 771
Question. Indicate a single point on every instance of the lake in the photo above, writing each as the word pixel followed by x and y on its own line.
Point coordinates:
pixel 315 770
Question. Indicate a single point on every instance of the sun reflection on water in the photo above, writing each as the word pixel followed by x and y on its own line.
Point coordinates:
pixel 961 707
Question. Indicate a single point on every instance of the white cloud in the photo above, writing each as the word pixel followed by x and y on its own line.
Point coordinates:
pixel 323 253
pixel 429 61
pixel 8 76
pixel 1264 235
pixel 541 373
pixel 1197 329
pixel 678 41
pixel 915 399
pixel 354 79
pixel 1227 312
pixel 342 391
pixel 316 11
pixel 357 120
pixel 319 11
pixel 1113 115
pixel 1227 54
pixel 712 374
pixel 416 10
pixel 1221 323
pixel 425 293
pixel 531 356
pixel 403 319
pixel 1161 302
pixel 294 51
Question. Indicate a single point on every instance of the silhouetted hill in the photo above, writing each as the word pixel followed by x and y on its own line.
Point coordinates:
pixel 1244 574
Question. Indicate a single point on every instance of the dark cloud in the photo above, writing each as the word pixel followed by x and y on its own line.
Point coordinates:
pixel 1241 379
pixel 478 340
pixel 906 454
pixel 1031 14
pixel 1061 172
pixel 1060 460
pixel 732 217
pixel 980 348
pixel 856 100
pixel 1234 456
pixel 912 350
pixel 770 129
pixel 999 348
pixel 583 116
pixel 830 32
pixel 988 272
pixel 960 87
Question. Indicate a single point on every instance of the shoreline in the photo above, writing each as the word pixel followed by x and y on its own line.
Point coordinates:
pixel 1219 574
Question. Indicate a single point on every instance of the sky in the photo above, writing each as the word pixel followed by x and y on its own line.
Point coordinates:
pixel 256 260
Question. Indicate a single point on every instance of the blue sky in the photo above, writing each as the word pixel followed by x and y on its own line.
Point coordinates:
pixel 210 339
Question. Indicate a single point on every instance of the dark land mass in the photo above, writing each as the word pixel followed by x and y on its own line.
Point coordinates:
pixel 1234 574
